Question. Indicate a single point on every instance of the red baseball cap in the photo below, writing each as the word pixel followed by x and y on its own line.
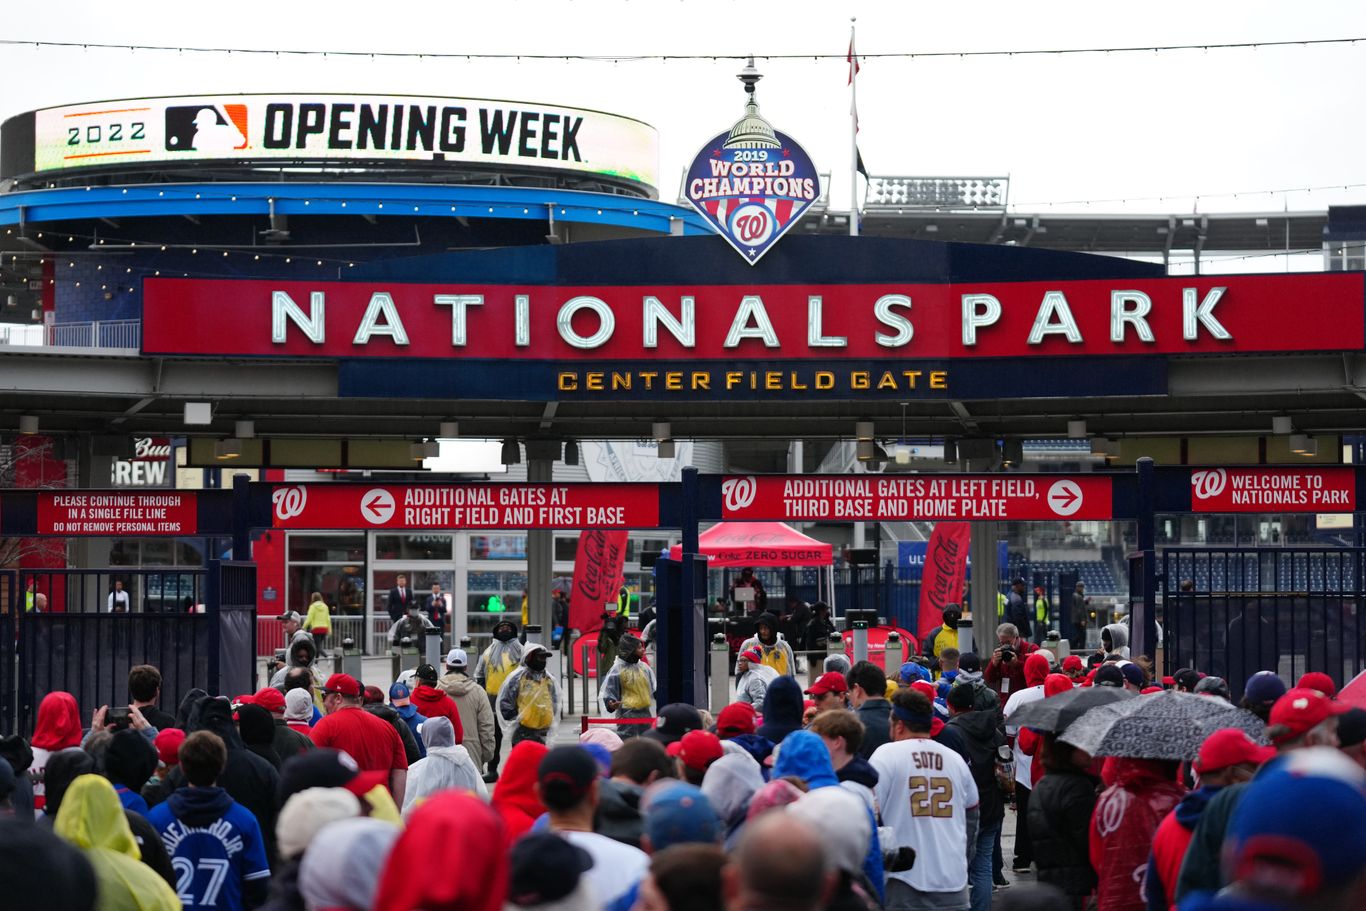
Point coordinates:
pixel 829 682
pixel 736 718
pixel 752 654
pixel 1227 747
pixel 344 684
pixel 927 688
pixel 697 749
pixel 1301 710
pixel 270 699
pixel 1073 663
pixel 1318 680
pixel 167 743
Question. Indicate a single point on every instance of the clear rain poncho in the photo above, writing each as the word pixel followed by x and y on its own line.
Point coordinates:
pixel 629 683
pixel 499 660
pixel 447 765
pixel 529 699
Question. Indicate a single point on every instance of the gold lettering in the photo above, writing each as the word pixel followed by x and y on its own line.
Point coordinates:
pixel 569 382
pixel 825 379
pixel 733 378
pixel 594 381
pixel 911 376
pixel 673 381
pixel 701 380
pixel 887 382
pixel 773 379
pixel 648 376
pixel 939 379
pixel 620 381
pixel 859 379
pixel 797 384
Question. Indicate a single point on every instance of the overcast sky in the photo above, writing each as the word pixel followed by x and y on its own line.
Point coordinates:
pixel 1076 127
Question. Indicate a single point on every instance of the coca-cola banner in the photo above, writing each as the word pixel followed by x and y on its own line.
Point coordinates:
pixel 946 564
pixel 1271 490
pixel 597 577
pixel 420 506
pixel 866 498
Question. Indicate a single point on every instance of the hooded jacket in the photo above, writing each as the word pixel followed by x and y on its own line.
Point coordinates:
pixel 257 729
pixel 630 683
pixel 529 698
pixel 1169 848
pixel 859 771
pixel 1060 808
pixel 876 715
pixel 755 745
pixel 1119 639
pixel 777 654
pixel 458 835
pixel 498 661
pixel 248 779
pixel 729 784
pixel 288 742
pixel 476 715
pixel 446 765
pixel 752 686
pixel 434 703
pixel 981 736
pixel 129 761
pixel 514 797
pixel 1122 828
pixel 58 727
pixel 618 816
pixel 203 828
pixel 92 819
pixel 782 710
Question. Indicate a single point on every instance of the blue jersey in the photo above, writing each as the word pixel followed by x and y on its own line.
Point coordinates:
pixel 213 860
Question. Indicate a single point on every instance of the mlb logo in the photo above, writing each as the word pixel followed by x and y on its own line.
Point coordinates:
pixel 206 128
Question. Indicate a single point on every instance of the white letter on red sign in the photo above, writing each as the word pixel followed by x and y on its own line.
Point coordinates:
pixel 1122 314
pixel 458 303
pixel 1196 312
pixel 815 337
pixel 1054 318
pixel 751 308
pixel 607 323
pixel 883 311
pixel 654 314
pixel 521 304
pixel 979 311
pixel 381 305
pixel 283 310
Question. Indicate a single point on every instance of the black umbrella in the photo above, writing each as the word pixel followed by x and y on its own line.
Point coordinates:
pixel 1055 713
pixel 1166 725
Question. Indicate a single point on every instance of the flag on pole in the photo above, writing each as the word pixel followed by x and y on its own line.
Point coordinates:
pixel 859 167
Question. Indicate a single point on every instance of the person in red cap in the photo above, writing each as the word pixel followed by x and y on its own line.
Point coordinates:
pixel 695 753
pixel 167 743
pixel 735 720
pixel 1318 680
pixel 374 744
pixel 1074 667
pixel 828 692
pixel 752 676
pixel 287 741
pixel 1300 719
pixel 1226 757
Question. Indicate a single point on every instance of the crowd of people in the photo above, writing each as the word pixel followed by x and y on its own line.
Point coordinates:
pixel 859 792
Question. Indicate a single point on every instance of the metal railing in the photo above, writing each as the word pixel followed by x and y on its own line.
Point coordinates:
pixel 110 334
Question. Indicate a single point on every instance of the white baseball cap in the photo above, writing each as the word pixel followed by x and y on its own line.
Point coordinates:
pixel 456 657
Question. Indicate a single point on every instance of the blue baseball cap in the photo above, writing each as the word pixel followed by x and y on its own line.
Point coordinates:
pixel 911 671
pixel 399 694
pixel 1277 841
pixel 1263 688
pixel 680 814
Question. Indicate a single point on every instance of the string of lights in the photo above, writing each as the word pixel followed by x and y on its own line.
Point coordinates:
pixel 636 58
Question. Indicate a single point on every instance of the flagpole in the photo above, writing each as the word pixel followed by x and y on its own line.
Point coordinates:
pixel 853 133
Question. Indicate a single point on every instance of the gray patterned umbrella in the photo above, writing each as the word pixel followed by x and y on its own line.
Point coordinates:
pixel 1056 713
pixel 1166 725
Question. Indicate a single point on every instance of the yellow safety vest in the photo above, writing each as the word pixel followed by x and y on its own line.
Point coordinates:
pixel 624 605
pixel 776 658
pixel 1041 609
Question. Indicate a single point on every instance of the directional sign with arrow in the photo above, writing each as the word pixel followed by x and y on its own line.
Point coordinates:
pixel 377 506
pixel 1064 497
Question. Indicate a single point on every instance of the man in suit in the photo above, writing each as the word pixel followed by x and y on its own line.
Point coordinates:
pixel 438 606
pixel 400 598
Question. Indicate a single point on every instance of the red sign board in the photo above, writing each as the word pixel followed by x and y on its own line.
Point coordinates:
pixel 423 506
pixel 869 498
pixel 335 319
pixel 115 513
pixel 1273 490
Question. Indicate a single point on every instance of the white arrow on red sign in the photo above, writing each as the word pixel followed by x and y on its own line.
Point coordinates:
pixel 1064 497
pixel 377 506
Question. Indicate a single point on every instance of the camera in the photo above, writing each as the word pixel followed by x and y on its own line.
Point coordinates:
pixel 118 718
pixel 1007 654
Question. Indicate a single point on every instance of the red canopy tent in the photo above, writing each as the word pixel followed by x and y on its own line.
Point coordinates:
pixel 758 544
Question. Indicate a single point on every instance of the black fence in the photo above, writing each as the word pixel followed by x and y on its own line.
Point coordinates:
pixel 86 650
pixel 1234 611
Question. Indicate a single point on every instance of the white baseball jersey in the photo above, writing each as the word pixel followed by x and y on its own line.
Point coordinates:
pixel 1024 763
pixel 925 791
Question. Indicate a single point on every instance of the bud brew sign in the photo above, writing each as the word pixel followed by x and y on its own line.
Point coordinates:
pixel 922 497
pixel 421 506
pixel 1273 490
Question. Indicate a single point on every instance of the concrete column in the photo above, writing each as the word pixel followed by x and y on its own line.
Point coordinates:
pixel 985 573
pixel 539 552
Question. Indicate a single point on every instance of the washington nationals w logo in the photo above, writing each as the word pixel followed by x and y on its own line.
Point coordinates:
pixel 738 493
pixel 289 502
pixel 1207 484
